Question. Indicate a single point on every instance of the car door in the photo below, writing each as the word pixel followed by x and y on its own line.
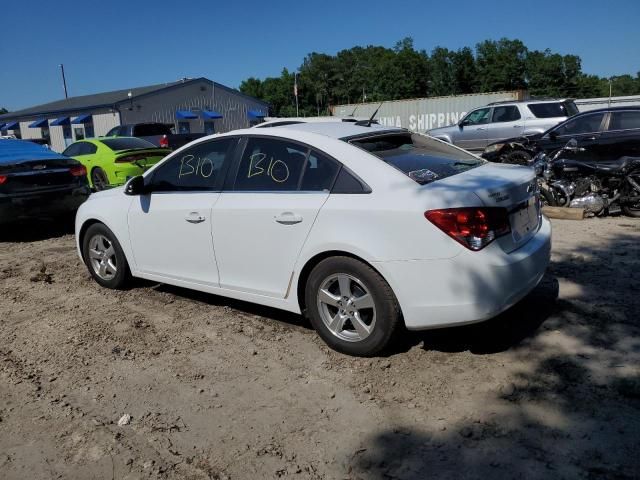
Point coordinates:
pixel 170 228
pixel 586 130
pixel 506 122
pixel 263 219
pixel 622 138
pixel 473 130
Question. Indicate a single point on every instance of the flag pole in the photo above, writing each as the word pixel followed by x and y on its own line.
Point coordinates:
pixel 295 92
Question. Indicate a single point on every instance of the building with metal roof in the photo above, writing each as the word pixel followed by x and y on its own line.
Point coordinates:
pixel 189 105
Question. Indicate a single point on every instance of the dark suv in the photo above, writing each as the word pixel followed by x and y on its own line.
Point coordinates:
pixel 603 135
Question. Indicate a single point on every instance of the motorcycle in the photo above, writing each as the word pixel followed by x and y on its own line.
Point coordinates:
pixel 600 188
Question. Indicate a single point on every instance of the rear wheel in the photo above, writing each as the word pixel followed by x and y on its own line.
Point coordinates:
pixel 351 306
pixel 99 179
pixel 104 257
pixel 517 157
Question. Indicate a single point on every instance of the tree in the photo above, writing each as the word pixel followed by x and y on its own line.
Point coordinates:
pixel 374 74
pixel 3 110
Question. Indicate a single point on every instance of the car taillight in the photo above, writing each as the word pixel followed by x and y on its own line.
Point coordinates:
pixel 473 227
pixel 164 141
pixel 78 171
pixel 3 178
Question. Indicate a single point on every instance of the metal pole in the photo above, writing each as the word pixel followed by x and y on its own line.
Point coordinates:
pixel 295 89
pixel 64 81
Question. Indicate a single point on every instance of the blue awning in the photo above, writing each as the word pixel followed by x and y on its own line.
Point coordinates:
pixel 210 114
pixel 11 126
pixel 60 121
pixel 255 114
pixel 41 122
pixel 82 119
pixel 185 114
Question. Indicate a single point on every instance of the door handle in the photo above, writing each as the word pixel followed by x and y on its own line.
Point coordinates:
pixel 481 128
pixel 288 218
pixel 194 217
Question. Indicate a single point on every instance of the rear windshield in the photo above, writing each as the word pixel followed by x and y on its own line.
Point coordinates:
pixel 151 129
pixel 553 109
pixel 423 159
pixel 127 143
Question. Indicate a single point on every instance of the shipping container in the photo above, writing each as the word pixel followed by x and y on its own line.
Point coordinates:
pixel 423 114
pixel 586 104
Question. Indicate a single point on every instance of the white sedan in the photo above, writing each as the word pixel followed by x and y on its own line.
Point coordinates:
pixel 359 227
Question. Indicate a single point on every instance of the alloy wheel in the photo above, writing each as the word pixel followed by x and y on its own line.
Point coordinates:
pixel 346 307
pixel 102 256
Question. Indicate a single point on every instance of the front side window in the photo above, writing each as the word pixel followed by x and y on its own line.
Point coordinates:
pixel 270 164
pixel 625 120
pixel 581 125
pixel 478 117
pixel 199 168
pixel 508 113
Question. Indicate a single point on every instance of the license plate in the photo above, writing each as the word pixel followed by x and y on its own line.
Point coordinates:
pixel 524 221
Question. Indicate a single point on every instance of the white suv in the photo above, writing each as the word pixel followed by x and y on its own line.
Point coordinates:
pixel 501 120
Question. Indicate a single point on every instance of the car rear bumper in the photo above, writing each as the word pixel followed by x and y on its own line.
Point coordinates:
pixel 468 288
pixel 42 204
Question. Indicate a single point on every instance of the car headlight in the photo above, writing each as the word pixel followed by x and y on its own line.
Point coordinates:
pixel 493 148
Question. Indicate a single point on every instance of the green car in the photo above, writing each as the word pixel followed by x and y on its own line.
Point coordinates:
pixel 110 162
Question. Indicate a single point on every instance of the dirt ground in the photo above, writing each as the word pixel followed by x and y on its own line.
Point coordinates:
pixel 218 389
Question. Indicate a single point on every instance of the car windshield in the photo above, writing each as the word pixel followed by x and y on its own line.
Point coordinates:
pixel 126 143
pixel 423 159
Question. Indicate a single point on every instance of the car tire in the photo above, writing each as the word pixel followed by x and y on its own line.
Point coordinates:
pixel 340 311
pixel 105 258
pixel 99 179
pixel 518 157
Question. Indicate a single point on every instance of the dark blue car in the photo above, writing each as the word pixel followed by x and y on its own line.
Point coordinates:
pixel 36 182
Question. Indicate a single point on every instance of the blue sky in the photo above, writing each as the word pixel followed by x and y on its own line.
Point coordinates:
pixel 121 44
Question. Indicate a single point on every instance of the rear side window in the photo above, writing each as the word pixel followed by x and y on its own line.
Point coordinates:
pixel 87 148
pixel 580 125
pixel 73 150
pixel 625 120
pixel 319 173
pixel 553 109
pixel 150 129
pixel 199 168
pixel 423 159
pixel 508 113
pixel 126 143
pixel 270 164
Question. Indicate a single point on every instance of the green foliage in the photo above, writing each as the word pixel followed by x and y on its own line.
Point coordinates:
pixel 3 110
pixel 375 73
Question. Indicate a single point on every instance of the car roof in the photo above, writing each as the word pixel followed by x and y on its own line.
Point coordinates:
pixel 338 129
pixel 609 109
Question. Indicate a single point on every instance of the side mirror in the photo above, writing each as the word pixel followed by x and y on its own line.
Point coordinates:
pixel 462 123
pixel 136 186
pixel 572 145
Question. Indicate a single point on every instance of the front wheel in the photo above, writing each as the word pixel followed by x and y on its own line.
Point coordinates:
pixel 351 306
pixel 104 257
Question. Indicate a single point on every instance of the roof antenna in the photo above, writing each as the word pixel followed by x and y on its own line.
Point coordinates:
pixel 370 121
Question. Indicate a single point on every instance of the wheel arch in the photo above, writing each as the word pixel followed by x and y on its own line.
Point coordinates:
pixel 83 231
pixel 315 260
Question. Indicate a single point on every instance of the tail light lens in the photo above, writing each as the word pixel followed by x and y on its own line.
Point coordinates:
pixel 78 171
pixel 164 141
pixel 473 227
pixel 3 179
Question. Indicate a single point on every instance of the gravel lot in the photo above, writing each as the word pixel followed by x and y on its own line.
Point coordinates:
pixel 222 389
